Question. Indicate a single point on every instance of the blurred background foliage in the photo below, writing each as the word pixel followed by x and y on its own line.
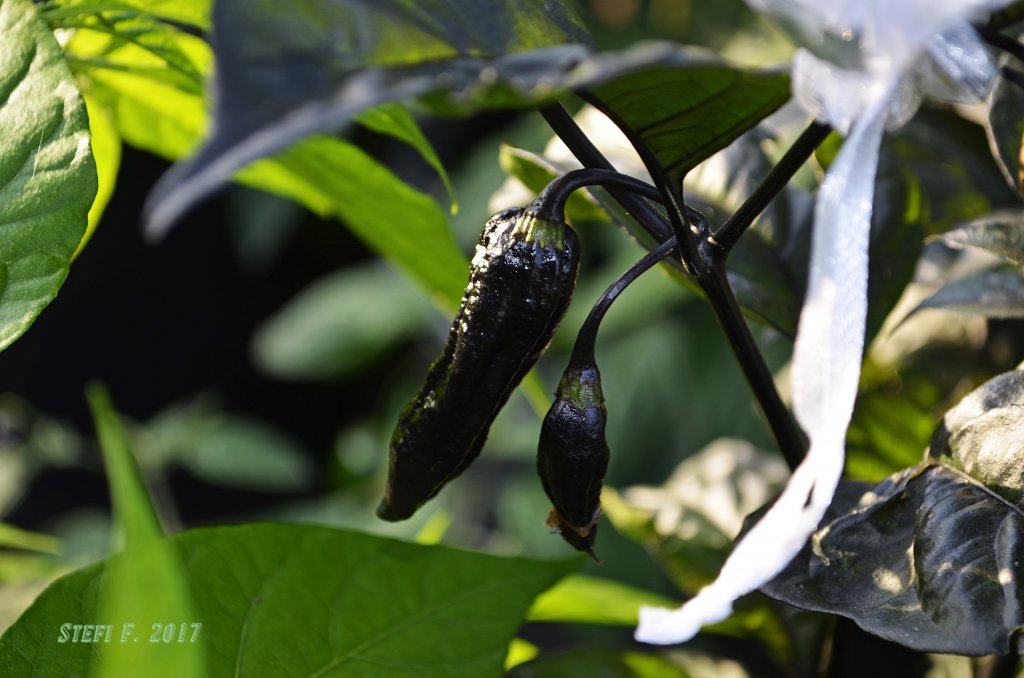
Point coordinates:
pixel 261 354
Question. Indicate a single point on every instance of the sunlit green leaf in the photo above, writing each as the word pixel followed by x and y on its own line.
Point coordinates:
pixel 394 120
pixel 593 600
pixel 287 600
pixel 106 152
pixel 191 12
pixel 47 175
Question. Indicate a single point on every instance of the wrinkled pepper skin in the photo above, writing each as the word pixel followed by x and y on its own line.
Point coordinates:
pixel 520 285
pixel 572 456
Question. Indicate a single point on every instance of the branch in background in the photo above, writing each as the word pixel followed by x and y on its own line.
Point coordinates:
pixel 1003 42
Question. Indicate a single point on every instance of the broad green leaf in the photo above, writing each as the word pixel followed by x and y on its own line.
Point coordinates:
pixel 930 558
pixel 329 176
pixel 520 651
pixel 146 584
pixel 47 173
pixel 612 663
pixel 686 108
pixel 315 64
pixel 402 224
pixel 1001 232
pixel 395 120
pixel 190 12
pixel 340 325
pixel 993 294
pixel 1005 125
pixel 592 600
pixel 286 600
pixel 106 152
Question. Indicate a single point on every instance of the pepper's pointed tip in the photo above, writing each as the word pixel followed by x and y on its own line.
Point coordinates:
pixel 592 554
pixel 387 511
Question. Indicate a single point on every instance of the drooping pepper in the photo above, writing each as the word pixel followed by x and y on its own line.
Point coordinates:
pixel 572 455
pixel 520 285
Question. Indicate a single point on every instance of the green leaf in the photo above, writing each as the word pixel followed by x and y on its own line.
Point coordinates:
pixel 992 294
pixel 592 600
pixel 286 600
pixel 1001 232
pixel 47 173
pixel 688 106
pixel 190 12
pixel 982 435
pixel 395 120
pixel 608 663
pixel 930 558
pixel 340 325
pixel 17 538
pixel 133 42
pixel 892 422
pixel 1005 125
pixel 145 585
pixel 106 152
pixel 400 223
pixel 315 64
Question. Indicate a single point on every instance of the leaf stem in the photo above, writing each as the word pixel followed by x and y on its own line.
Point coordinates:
pixel 583 351
pixel 1003 42
pixel 726 237
pixel 780 421
pixel 569 132
pixel 712 276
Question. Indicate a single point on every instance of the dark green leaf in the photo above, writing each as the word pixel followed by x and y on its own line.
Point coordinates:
pixel 687 107
pixel 930 558
pixel 1001 232
pixel 47 175
pixel 285 600
pixel 1006 125
pixel 315 64
pixel 992 294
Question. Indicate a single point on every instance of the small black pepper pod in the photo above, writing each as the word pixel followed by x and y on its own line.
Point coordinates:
pixel 520 285
pixel 572 456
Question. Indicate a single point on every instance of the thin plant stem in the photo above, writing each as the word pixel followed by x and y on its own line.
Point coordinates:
pixel 1013 75
pixel 787 435
pixel 712 280
pixel 1003 42
pixel 583 351
pixel 569 132
pixel 729 234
